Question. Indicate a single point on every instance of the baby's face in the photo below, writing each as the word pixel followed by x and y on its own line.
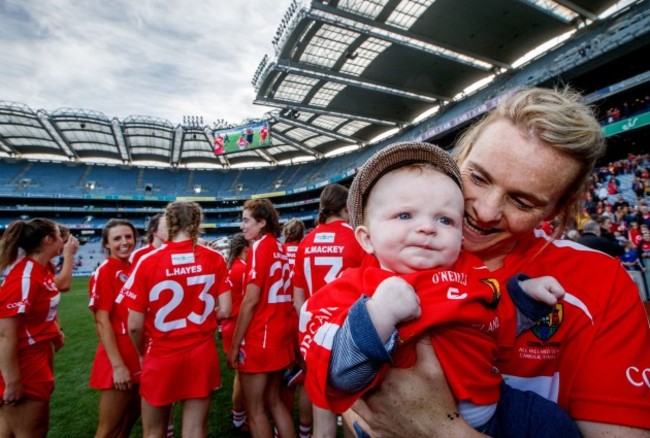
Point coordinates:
pixel 413 220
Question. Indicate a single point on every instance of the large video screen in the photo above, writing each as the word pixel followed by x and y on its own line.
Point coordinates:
pixel 240 138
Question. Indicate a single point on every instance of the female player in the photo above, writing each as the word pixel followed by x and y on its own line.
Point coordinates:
pixel 116 368
pixel 262 345
pixel 173 294
pixel 236 277
pixel 28 309
pixel 528 161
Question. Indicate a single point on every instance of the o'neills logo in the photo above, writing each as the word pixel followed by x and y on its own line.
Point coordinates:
pixel 449 276
pixel 548 325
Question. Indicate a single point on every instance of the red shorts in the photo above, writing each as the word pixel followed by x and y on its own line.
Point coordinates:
pixel 227 332
pixel 101 375
pixel 185 374
pixel 36 371
pixel 253 359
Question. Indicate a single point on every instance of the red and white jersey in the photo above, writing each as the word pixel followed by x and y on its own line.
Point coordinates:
pixel 104 286
pixel 269 270
pixel 458 305
pixel 290 249
pixel 324 253
pixel 236 279
pixel 592 353
pixel 177 288
pixel 138 253
pixel 29 291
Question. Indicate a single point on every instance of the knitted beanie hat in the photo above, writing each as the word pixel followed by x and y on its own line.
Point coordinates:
pixel 391 158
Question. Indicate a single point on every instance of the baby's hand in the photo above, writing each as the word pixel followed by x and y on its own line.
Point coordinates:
pixel 393 302
pixel 545 289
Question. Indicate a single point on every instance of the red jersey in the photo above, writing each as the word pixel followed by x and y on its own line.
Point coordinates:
pixel 177 289
pixel 290 249
pixel 459 303
pixel 138 253
pixel 269 270
pixel 104 286
pixel 29 291
pixel 592 353
pixel 324 253
pixel 236 279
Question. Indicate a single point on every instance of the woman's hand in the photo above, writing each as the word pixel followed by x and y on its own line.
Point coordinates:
pixel 232 358
pixel 13 393
pixel 122 378
pixel 414 402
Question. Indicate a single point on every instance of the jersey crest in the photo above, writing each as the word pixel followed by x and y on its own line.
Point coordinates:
pixel 546 327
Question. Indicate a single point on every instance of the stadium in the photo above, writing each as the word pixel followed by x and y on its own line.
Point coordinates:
pixel 346 79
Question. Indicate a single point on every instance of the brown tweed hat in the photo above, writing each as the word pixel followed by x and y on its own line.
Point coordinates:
pixel 390 158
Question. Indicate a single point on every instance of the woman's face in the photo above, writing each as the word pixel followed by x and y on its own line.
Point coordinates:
pixel 251 228
pixel 512 182
pixel 120 242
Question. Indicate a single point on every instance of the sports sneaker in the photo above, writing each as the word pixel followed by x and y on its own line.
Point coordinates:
pixel 243 430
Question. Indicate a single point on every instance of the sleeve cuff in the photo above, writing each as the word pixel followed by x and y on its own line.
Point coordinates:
pixel 365 335
pixel 527 306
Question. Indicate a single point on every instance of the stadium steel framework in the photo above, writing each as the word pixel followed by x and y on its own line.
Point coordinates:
pixel 343 73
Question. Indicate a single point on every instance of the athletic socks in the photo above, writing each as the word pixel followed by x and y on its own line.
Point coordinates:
pixel 238 418
pixel 305 431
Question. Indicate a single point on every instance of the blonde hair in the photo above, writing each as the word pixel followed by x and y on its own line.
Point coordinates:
pixel 559 118
pixel 184 216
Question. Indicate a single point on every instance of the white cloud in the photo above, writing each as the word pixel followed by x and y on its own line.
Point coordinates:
pixel 162 59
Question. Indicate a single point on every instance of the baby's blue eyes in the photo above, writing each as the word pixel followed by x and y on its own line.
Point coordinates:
pixel 444 220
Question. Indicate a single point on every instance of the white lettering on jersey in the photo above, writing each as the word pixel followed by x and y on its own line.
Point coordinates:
pixel 638 377
pixel 449 276
pixel 183 259
pixel 324 237
pixel 324 249
pixel 197 269
pixel 454 294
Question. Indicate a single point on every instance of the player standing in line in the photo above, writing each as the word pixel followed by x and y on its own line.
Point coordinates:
pixel 116 367
pixel 261 345
pixel 174 292
pixel 292 232
pixel 236 278
pixel 323 254
pixel 28 309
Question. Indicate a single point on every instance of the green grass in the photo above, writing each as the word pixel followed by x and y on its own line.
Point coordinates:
pixel 73 408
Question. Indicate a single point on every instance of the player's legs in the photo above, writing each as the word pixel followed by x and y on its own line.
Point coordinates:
pixel 118 411
pixel 324 423
pixel 195 417
pixel 305 412
pixel 27 419
pixel 253 386
pixel 279 412
pixel 154 420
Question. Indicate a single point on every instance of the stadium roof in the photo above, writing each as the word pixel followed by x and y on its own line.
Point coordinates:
pixel 344 72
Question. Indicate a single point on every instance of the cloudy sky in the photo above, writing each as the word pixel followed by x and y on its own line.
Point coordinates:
pixel 158 58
